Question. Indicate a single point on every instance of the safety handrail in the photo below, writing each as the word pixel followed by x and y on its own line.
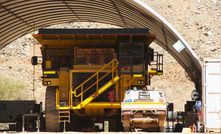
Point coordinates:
pixel 70 98
pixel 157 63
pixel 57 99
pixel 131 79
pixel 113 68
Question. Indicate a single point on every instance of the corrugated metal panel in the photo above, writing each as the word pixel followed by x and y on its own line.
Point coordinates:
pixel 212 95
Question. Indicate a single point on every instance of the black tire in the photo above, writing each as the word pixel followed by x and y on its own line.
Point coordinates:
pixel 161 129
pixel 127 129
pixel 51 114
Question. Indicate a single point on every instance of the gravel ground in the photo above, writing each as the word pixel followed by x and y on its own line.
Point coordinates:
pixel 95 133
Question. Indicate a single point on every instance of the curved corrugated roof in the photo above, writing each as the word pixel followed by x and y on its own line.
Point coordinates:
pixel 19 17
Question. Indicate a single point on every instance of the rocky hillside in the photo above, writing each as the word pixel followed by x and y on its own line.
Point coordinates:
pixel 198 21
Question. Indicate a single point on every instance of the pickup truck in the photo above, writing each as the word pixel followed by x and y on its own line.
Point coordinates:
pixel 143 110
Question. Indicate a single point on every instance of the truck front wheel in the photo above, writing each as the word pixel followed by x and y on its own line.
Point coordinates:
pixel 51 114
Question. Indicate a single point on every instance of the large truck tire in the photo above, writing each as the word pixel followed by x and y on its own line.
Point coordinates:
pixel 51 114
pixel 127 129
pixel 161 129
pixel 161 125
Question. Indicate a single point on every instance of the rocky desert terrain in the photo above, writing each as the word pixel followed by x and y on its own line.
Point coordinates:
pixel 198 21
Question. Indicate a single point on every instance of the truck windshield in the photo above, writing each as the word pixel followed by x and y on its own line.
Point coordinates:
pixel 135 49
pixel 144 95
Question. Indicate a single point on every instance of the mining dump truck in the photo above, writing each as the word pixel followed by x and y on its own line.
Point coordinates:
pixel 87 72
pixel 143 110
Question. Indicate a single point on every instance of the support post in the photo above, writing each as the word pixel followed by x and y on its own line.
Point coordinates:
pixel 23 123
pixel 38 123
pixel 64 127
pixel 27 124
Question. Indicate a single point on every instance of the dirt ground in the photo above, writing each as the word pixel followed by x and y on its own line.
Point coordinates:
pixel 95 133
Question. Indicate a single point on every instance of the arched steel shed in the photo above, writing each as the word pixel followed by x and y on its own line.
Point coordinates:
pixel 19 17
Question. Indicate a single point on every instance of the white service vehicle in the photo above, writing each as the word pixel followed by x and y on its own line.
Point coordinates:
pixel 143 110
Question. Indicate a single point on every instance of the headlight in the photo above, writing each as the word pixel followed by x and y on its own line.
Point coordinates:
pixel 47 83
pixel 140 82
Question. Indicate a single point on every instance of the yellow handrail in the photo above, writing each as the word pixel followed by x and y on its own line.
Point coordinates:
pixel 69 101
pixel 122 89
pixel 57 98
pixel 96 74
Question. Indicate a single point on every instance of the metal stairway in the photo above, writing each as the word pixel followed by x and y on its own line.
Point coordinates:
pixel 99 91
pixel 114 79
pixel 63 84
pixel 64 115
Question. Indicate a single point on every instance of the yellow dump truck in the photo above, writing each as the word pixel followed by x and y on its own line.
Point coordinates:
pixel 87 72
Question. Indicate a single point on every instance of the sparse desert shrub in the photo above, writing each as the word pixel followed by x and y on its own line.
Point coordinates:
pixel 12 89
